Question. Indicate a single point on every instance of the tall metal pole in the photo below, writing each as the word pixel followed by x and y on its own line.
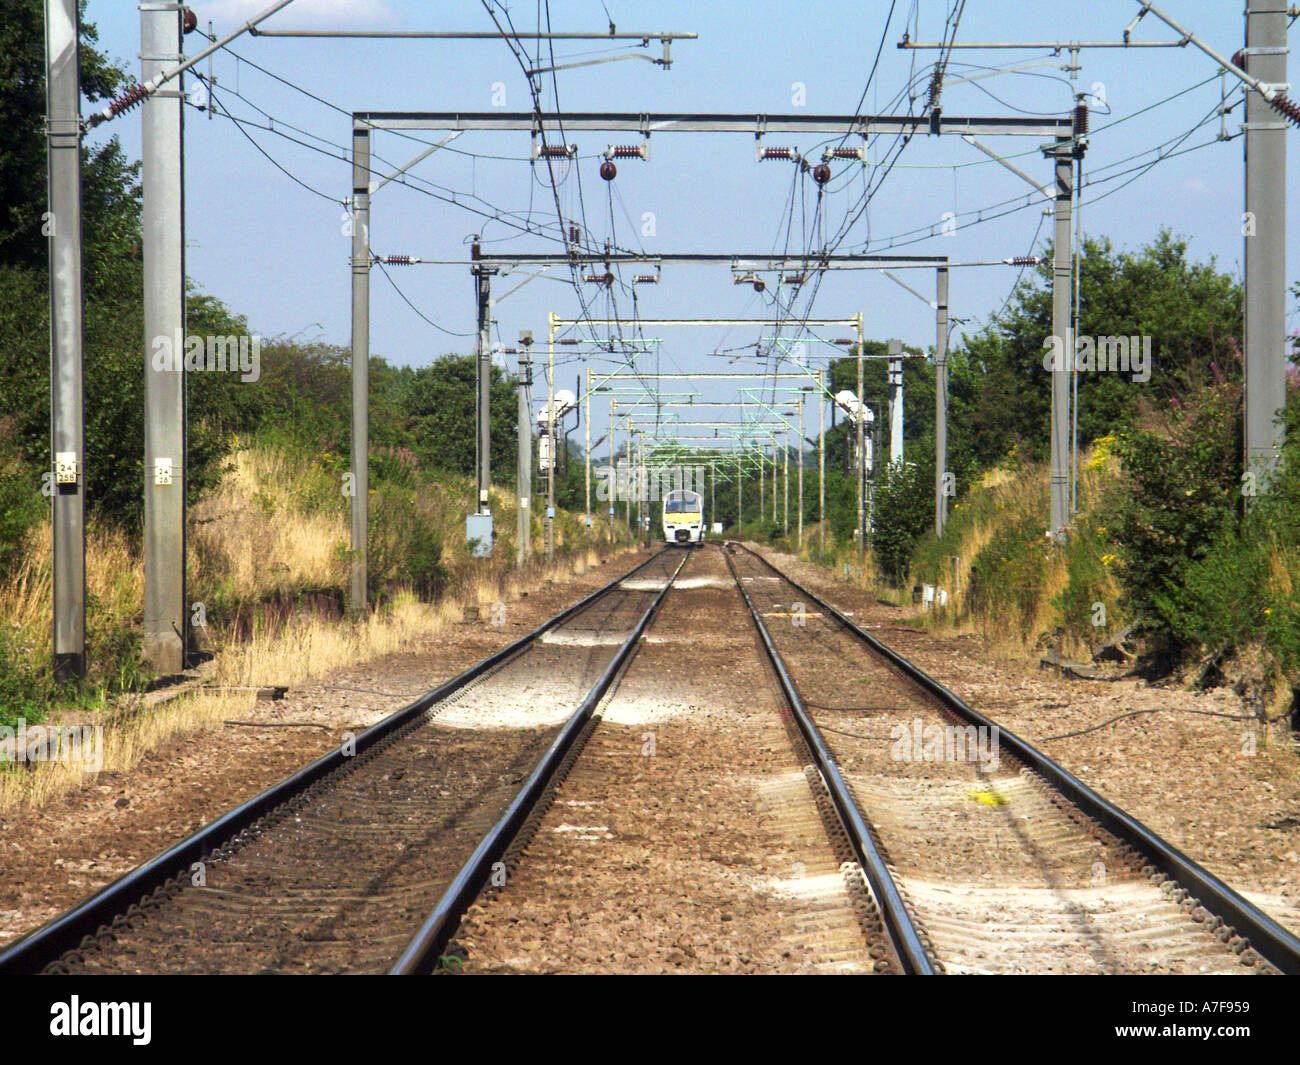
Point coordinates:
pixel 801 399
pixel 740 495
pixel 524 475
pixel 360 468
pixel 1265 340
pixel 1060 443
pixel 896 402
pixel 713 494
pixel 483 286
pixel 785 482
pixel 67 391
pixel 631 473
pixel 861 463
pixel 640 486
pixel 940 399
pixel 762 494
pixel 550 432
pixel 613 461
pixel 586 395
pixel 1077 281
pixel 821 459
pixel 166 620
pixel 775 519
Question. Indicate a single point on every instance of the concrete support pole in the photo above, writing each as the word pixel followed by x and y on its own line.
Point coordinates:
pixel 524 474
pixel 483 390
pixel 631 474
pixel 785 484
pixel 1265 253
pixel 360 456
pixel 1061 328
pixel 896 402
pixel 586 420
pixel 550 431
pixel 821 459
pixel 67 390
pixel 776 514
pixel 861 463
pixel 613 461
pixel 713 497
pixel 166 619
pixel 940 399
pixel 762 493
pixel 740 495
pixel 640 487
pixel 801 398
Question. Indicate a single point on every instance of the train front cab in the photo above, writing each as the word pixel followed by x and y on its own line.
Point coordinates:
pixel 683 517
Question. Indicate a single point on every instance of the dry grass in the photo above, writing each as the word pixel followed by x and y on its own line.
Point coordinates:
pixel 307 646
pixel 254 536
pixel 124 745
pixel 114 588
pixel 275 527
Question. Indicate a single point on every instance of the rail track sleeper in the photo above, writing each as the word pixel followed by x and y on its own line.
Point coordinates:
pixel 94 915
pixel 900 927
pixel 1278 946
pixel 427 946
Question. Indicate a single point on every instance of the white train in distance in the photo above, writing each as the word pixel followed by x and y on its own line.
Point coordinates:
pixel 683 517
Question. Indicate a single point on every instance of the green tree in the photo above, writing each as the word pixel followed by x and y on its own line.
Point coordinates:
pixel 902 509
pixel 437 408
pixel 22 115
pixel 1000 392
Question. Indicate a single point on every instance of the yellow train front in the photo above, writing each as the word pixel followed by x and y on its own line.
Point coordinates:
pixel 683 517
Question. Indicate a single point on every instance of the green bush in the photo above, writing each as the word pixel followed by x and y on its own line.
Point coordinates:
pixel 21 508
pixel 24 693
pixel 404 545
pixel 1008 575
pixel 1181 488
pixel 902 509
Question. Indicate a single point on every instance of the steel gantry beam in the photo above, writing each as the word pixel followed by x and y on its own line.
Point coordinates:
pixel 555 322
pixel 1063 129
pixel 711 122
pixel 816 376
pixel 823 393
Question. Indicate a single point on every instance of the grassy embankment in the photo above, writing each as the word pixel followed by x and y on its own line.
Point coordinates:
pixel 269 564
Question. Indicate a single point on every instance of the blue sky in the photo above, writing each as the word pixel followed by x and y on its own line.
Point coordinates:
pixel 276 252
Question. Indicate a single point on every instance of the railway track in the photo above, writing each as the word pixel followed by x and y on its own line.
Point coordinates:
pixel 696 831
pixel 1000 858
pixel 926 840
pixel 335 869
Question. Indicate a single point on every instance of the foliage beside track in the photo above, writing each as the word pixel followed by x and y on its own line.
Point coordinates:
pixel 266 458
pixel 1166 532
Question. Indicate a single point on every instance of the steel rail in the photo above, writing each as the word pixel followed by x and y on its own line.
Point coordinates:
pixel 898 922
pixel 421 954
pixel 36 949
pixel 1268 938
